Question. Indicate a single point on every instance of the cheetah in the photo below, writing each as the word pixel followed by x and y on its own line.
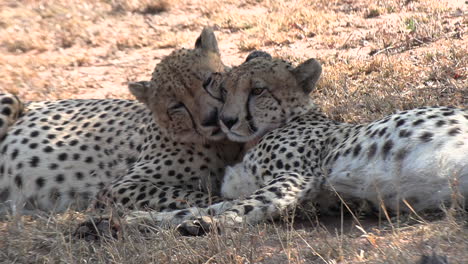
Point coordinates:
pixel 409 161
pixel 11 108
pixel 64 154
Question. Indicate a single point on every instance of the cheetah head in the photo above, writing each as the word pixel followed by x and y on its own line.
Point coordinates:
pixel 263 94
pixel 177 94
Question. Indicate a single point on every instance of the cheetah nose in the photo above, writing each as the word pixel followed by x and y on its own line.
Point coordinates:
pixel 229 122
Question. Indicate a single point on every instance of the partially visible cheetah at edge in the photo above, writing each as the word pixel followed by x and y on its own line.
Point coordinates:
pixel 11 108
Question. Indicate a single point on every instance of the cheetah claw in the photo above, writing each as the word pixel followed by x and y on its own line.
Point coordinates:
pixel 198 227
pixel 97 228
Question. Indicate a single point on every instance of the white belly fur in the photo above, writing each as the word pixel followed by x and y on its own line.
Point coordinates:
pixel 427 177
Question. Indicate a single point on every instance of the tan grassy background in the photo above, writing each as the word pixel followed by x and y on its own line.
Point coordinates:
pixel 378 56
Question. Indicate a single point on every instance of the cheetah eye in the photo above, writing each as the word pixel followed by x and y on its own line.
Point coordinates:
pixel 223 92
pixel 207 82
pixel 176 108
pixel 258 91
pixel 211 86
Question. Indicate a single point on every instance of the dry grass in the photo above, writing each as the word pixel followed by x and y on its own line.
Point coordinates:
pixel 372 88
pixel 49 240
pixel 378 57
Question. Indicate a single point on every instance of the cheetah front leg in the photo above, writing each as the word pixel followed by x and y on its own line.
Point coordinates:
pixel 109 227
pixel 286 190
pixel 283 192
pixel 176 217
pixel 161 203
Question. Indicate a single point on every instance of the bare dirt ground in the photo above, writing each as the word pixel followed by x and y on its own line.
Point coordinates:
pixel 378 57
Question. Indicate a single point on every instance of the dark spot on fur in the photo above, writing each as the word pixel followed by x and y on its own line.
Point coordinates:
pixel 426 136
pixel 400 122
pixel 357 150
pixel 418 122
pixel 440 123
pixel 372 150
pixel 404 133
pixel 401 154
pixel 4 194
pixel 18 181
pixel 454 131
pixel 40 182
pixel 386 148
pixel 247 209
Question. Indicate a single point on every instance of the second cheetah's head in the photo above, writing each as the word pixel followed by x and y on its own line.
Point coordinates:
pixel 177 94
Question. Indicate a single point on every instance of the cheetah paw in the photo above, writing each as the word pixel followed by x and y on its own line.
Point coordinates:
pixel 97 228
pixel 199 227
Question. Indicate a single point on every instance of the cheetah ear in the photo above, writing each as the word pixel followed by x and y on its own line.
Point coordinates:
pixel 207 41
pixel 307 74
pixel 258 54
pixel 140 90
